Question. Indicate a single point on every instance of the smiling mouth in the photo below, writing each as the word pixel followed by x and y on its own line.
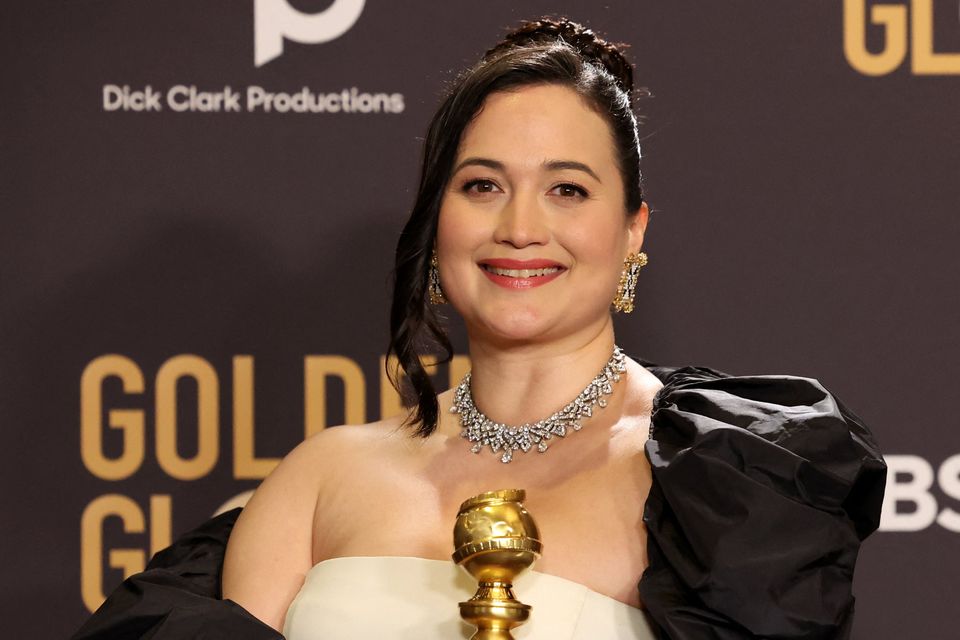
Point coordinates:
pixel 520 273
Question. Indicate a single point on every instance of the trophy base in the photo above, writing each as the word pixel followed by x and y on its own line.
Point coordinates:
pixel 494 617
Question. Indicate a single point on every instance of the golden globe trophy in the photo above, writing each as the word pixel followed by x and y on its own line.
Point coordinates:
pixel 495 539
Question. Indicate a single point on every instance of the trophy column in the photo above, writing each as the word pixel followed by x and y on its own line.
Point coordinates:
pixel 495 539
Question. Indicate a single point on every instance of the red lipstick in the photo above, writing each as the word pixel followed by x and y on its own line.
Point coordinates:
pixel 521 274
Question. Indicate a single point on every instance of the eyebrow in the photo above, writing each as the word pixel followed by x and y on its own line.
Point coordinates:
pixel 550 165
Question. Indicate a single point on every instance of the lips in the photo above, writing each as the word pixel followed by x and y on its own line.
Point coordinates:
pixel 521 274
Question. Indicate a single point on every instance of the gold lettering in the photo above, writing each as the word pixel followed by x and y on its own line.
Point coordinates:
pixel 161 526
pixel 245 462
pixel 91 545
pixel 129 421
pixel 924 60
pixel 208 420
pixel 316 371
pixel 894 20
pixel 130 561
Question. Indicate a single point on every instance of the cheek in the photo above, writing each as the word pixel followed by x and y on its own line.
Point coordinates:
pixel 602 248
pixel 458 237
pixel 453 232
pixel 462 227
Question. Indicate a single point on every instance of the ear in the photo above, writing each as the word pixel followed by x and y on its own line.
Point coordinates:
pixel 637 227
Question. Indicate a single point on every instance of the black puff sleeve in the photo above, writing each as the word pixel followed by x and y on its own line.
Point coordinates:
pixel 763 488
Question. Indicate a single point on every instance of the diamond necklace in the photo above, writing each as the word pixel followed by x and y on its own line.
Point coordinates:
pixel 483 432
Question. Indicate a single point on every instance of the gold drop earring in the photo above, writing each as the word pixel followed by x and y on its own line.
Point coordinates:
pixel 627 288
pixel 433 281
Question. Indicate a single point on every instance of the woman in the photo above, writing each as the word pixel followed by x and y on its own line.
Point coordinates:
pixel 740 501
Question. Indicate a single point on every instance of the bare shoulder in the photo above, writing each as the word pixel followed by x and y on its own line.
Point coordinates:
pixel 271 548
pixel 643 387
pixel 335 443
pixel 336 454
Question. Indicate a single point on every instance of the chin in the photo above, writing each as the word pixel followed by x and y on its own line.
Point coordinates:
pixel 514 325
pixel 529 327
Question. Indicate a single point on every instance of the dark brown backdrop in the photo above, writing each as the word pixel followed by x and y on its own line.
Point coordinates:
pixel 806 222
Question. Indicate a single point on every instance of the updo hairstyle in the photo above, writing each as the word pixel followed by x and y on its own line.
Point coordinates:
pixel 545 51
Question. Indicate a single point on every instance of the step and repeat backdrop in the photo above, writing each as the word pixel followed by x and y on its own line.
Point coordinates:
pixel 200 201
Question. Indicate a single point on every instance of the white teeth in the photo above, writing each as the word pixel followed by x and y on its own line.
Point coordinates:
pixel 521 273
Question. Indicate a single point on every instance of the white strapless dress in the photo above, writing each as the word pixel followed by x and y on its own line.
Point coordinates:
pixel 416 598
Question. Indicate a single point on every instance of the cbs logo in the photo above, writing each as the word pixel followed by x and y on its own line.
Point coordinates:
pixel 909 503
pixel 274 20
pixel 893 19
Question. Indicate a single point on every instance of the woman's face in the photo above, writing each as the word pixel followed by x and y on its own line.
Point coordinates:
pixel 533 231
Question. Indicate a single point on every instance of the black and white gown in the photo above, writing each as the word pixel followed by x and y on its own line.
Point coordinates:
pixel 763 489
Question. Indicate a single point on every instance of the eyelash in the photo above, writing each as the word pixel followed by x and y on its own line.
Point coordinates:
pixel 580 191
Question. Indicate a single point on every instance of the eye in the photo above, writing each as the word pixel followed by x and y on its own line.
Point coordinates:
pixel 479 186
pixel 570 190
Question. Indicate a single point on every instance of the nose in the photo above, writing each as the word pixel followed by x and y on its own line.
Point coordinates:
pixel 522 222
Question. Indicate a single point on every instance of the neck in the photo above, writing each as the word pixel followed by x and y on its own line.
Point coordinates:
pixel 521 383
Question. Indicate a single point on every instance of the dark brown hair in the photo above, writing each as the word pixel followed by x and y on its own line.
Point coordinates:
pixel 545 51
